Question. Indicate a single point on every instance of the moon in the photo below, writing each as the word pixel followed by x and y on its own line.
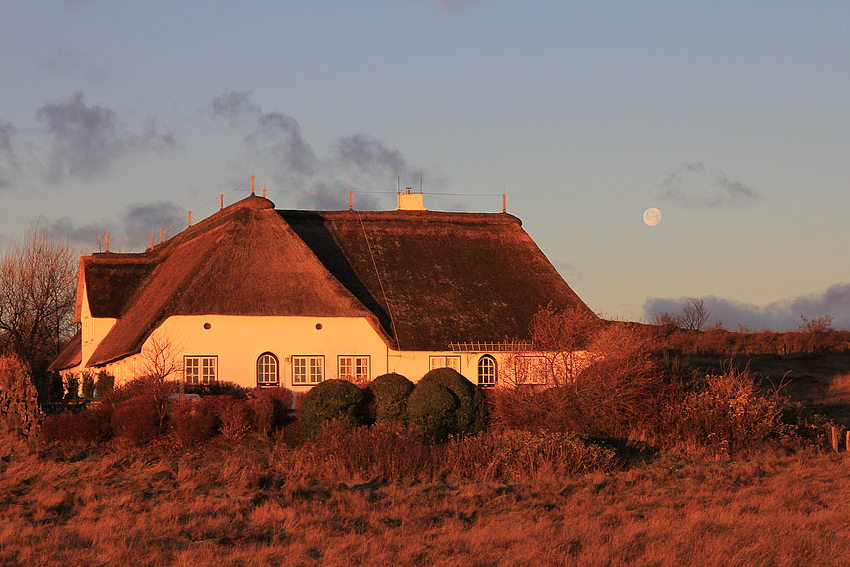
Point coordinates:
pixel 652 216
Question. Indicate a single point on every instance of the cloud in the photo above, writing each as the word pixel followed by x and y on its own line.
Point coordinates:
pixel 694 186
pixel 783 315
pixel 8 161
pixel 235 107
pixel 66 228
pixel 66 61
pixel 154 138
pixel 276 146
pixel 278 139
pixel 86 139
pixel 140 219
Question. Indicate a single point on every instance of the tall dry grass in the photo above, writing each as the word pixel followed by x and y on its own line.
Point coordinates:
pixel 247 504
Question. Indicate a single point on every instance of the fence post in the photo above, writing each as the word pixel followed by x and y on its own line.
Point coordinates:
pixel 834 438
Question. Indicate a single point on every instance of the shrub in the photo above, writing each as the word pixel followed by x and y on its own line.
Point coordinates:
pixel 386 452
pixel 88 385
pixel 136 420
pixel 391 392
pixel 234 416
pixel 221 388
pixel 728 417
pixel 19 410
pixel 271 408
pixel 192 421
pixel 328 400
pixel 433 409
pixel 522 455
pixel 105 383
pixel 90 426
pixel 470 413
pixel 72 386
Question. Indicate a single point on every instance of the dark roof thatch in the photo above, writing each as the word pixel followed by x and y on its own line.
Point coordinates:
pixel 70 355
pixel 425 279
pixel 437 278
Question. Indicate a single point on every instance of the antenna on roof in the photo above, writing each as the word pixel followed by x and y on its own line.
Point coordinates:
pixel 420 183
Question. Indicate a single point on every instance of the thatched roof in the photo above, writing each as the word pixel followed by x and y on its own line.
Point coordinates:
pixel 436 278
pixel 70 356
pixel 425 279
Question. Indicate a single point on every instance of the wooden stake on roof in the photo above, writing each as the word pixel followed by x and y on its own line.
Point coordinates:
pixel 221 199
pixel 504 201
pixel 252 182
pixel 350 198
pixel 264 189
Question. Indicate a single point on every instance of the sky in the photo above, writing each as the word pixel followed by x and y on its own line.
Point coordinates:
pixel 731 118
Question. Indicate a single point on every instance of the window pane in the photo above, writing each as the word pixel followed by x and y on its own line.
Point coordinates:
pixel 316 367
pixel 299 370
pixel 267 370
pixel 487 371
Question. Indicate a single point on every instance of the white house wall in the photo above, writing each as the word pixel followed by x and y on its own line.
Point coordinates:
pixel 238 341
pixel 93 330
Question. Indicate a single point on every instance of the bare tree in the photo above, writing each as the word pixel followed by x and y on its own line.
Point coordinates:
pixel 694 314
pixel 38 280
pixel 816 332
pixel 559 343
pixel 161 370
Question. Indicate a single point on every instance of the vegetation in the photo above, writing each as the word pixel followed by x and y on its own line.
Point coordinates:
pixel 329 400
pixel 390 393
pixel 628 455
pixel 38 283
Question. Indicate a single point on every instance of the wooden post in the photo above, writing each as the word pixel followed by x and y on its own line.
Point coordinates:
pixel 351 200
pixel 161 233
pixel 151 238
pixel 834 438
pixel 504 202
pixel 107 242
pixel 190 218
pixel 221 200
pixel 847 440
pixel 264 189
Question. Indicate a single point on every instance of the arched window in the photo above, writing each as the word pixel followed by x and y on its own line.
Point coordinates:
pixel 267 370
pixel 486 371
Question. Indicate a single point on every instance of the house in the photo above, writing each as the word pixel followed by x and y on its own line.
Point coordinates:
pixel 263 297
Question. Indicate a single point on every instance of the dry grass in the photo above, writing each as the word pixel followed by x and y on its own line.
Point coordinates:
pixel 248 504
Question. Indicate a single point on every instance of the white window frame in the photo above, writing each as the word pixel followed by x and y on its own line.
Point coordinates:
pixel 266 369
pixel 487 371
pixel 354 367
pixel 445 361
pixel 307 370
pixel 200 369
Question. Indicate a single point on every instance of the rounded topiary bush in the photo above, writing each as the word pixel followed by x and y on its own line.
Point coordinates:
pixel 470 413
pixel 390 393
pixel 433 409
pixel 328 400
